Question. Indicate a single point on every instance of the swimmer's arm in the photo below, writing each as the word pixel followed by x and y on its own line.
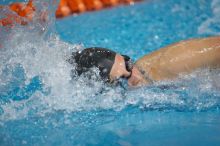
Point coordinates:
pixel 182 57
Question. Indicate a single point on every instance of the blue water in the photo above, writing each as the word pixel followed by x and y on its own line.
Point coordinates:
pixel 41 105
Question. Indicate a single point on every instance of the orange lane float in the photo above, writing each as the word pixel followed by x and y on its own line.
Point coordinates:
pixel 68 7
pixel 22 10
pixel 65 8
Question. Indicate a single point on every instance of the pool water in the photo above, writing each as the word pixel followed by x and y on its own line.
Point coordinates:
pixel 40 104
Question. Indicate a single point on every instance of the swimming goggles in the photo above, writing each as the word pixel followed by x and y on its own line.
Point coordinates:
pixel 128 64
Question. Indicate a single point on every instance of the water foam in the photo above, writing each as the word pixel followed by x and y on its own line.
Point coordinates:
pixel 36 80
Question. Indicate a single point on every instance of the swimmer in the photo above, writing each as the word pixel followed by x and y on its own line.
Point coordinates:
pixel 164 64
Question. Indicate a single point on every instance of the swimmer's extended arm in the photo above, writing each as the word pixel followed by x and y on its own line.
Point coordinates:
pixel 182 57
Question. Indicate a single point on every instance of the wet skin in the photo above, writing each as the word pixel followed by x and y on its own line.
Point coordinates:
pixel 119 70
pixel 171 61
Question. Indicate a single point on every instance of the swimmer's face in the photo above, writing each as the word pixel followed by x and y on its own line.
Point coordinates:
pixel 112 66
pixel 119 70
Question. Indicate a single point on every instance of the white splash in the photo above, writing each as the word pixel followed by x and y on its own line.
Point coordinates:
pixel 207 26
pixel 36 51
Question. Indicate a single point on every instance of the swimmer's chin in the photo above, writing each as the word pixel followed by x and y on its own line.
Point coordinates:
pixel 137 83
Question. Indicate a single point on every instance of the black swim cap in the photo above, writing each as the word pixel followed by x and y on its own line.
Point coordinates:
pixel 101 58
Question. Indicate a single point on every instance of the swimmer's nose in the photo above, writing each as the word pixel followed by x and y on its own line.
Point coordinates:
pixel 120 73
pixel 126 74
